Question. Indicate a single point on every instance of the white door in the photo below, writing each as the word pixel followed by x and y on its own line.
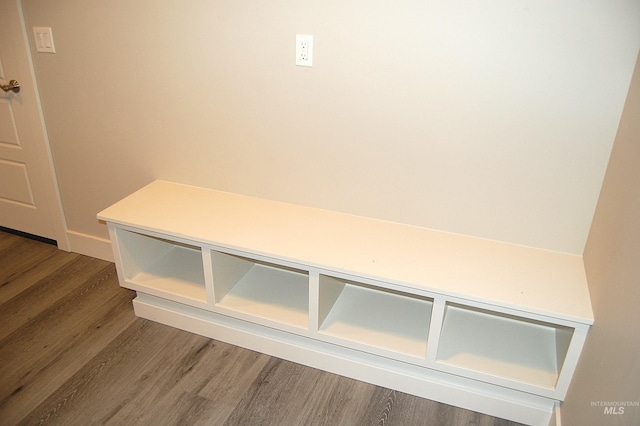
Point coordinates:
pixel 29 199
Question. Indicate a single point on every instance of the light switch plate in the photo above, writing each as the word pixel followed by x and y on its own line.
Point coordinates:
pixel 44 39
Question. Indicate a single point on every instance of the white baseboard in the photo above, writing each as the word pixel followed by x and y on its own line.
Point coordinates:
pixel 90 245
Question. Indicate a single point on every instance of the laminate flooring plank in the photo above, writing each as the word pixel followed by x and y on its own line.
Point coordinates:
pixel 270 401
pixel 291 394
pixel 389 407
pixel 183 409
pixel 206 393
pixel 48 330
pixel 223 370
pixel 43 354
pixel 233 373
pixel 337 400
pixel 7 240
pixel 148 375
pixel 385 408
pixel 24 263
pixel 104 384
pixel 57 277
pixel 17 251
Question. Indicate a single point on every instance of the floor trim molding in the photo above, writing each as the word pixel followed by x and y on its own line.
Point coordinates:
pixel 90 245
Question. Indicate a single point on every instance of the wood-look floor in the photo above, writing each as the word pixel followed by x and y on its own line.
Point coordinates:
pixel 73 353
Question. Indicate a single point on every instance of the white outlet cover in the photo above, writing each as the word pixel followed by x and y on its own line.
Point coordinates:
pixel 304 50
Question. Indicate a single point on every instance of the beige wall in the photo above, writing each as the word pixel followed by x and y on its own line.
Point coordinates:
pixel 491 119
pixel 609 369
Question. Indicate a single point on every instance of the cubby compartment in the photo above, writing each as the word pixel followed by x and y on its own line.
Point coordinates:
pixel 374 316
pixel 261 289
pixel 504 346
pixel 162 267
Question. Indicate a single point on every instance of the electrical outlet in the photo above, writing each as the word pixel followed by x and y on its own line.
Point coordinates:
pixel 304 50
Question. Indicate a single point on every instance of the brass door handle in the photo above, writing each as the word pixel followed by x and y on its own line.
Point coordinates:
pixel 13 86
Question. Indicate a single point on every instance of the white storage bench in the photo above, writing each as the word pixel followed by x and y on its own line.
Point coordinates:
pixel 484 325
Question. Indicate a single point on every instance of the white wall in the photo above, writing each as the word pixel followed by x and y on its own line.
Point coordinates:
pixel 493 119
pixel 609 370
